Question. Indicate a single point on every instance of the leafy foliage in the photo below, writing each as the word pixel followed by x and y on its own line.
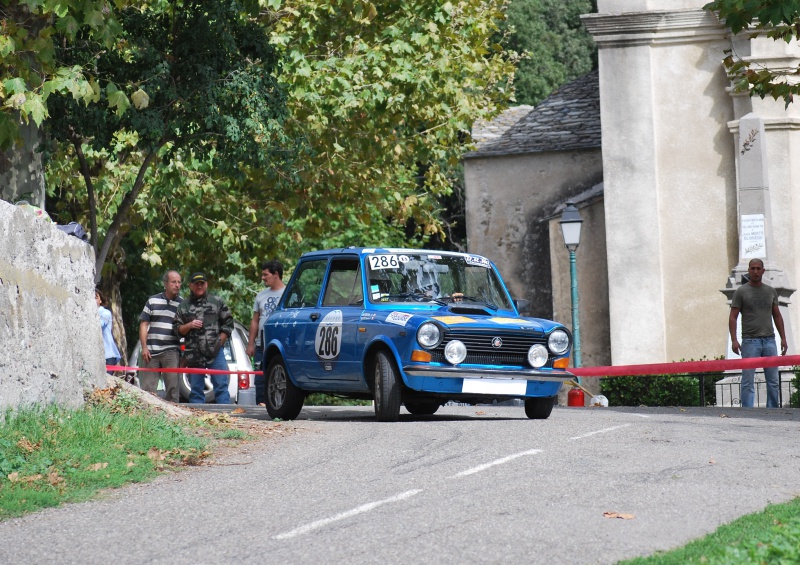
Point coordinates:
pixel 794 399
pixel 382 106
pixel 29 70
pixel 778 20
pixel 385 95
pixel 196 80
pixel 558 49
pixel 659 390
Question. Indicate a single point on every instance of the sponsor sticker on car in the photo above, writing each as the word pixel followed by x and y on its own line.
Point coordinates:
pixel 399 318
pixel 477 261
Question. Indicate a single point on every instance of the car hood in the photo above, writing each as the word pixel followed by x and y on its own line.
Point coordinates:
pixel 460 320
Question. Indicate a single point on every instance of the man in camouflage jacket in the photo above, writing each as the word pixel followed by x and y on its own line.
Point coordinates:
pixel 206 324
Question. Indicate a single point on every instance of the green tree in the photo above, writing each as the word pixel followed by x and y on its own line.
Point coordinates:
pixel 778 20
pixel 380 100
pixel 385 95
pixel 195 79
pixel 29 70
pixel 558 47
pixel 30 73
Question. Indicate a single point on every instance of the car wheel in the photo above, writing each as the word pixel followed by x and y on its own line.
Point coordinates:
pixel 284 399
pixel 422 407
pixel 539 408
pixel 186 389
pixel 387 389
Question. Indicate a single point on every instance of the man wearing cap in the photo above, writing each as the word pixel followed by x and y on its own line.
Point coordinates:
pixel 206 323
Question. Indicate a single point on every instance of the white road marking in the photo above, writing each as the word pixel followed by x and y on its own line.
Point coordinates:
pixel 601 431
pixel 640 415
pixel 485 466
pixel 344 515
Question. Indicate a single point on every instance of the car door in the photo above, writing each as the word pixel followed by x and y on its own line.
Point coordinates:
pixel 336 331
pixel 296 323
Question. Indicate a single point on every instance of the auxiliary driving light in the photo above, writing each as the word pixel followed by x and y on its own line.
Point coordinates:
pixel 455 352
pixel 537 355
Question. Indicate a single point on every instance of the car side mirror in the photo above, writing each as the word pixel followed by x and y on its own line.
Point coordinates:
pixel 522 305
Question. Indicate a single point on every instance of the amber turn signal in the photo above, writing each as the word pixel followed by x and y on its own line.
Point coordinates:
pixel 421 356
pixel 562 363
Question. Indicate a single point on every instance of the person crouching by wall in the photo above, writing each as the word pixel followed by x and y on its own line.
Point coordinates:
pixel 206 323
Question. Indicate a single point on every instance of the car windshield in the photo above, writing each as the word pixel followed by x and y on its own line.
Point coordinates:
pixel 432 277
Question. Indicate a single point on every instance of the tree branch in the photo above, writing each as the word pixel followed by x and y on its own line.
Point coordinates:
pixel 122 212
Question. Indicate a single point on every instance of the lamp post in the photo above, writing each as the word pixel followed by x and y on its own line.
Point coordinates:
pixel 571 230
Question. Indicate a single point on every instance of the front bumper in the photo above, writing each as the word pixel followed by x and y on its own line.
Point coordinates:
pixel 461 372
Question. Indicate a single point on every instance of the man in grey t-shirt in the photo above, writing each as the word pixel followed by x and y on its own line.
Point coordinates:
pixel 266 301
pixel 758 304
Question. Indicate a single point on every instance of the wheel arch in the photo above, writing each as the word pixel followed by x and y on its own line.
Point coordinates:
pixel 273 350
pixel 368 361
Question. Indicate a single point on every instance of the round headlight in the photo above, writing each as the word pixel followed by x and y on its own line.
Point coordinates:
pixel 429 335
pixel 455 352
pixel 537 355
pixel 558 342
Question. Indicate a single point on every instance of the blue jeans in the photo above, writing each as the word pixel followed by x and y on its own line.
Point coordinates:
pixel 759 347
pixel 218 382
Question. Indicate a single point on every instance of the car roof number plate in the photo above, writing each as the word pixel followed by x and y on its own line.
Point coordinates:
pixel 383 261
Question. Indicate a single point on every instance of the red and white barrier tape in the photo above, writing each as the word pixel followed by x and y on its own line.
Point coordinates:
pixel 112 368
pixel 712 366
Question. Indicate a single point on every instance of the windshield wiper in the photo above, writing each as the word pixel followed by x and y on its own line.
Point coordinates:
pixel 418 297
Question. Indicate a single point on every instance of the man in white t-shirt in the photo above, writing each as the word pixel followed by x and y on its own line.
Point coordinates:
pixel 266 301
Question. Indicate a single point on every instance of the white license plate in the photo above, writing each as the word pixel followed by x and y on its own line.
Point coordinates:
pixel 495 386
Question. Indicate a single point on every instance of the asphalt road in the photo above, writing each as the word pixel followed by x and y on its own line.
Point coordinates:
pixel 468 485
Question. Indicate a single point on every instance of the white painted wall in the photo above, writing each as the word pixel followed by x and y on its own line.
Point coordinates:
pixel 52 349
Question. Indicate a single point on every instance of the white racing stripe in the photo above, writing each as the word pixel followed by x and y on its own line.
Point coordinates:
pixel 485 466
pixel 601 431
pixel 344 515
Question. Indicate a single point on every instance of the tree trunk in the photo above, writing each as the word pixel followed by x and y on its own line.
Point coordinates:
pixel 21 172
pixel 111 288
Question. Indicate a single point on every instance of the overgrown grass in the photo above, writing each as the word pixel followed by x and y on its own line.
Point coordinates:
pixel 52 455
pixel 768 537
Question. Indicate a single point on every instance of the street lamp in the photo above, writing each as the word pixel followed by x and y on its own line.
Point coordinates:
pixel 571 230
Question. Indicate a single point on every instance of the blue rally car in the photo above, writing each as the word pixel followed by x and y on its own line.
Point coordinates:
pixel 411 327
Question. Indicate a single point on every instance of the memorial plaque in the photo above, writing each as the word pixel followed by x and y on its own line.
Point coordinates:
pixel 753 244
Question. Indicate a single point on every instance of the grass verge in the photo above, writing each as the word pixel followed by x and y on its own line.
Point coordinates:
pixel 768 537
pixel 52 455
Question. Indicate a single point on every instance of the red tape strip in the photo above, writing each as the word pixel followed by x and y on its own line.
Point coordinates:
pixel 712 366
pixel 112 368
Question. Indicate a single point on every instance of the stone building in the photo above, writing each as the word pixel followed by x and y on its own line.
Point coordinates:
pixel 671 200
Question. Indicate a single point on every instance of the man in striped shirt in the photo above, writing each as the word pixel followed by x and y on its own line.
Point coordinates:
pixel 160 346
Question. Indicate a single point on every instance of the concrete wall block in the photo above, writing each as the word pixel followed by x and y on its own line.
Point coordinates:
pixel 52 348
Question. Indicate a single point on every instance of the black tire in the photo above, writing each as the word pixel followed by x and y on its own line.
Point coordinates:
pixel 387 389
pixel 185 389
pixel 539 408
pixel 422 407
pixel 284 399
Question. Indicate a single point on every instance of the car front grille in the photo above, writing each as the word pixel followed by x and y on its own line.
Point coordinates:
pixel 480 351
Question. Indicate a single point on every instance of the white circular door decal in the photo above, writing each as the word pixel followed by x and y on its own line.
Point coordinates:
pixel 329 335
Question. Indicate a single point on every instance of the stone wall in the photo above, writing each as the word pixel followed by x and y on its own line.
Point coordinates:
pixel 507 198
pixel 52 349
